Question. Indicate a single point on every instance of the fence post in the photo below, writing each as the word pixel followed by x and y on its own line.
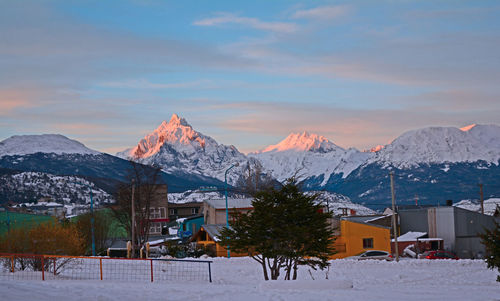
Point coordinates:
pixel 100 266
pixel 43 269
pixel 151 261
pixel 54 266
pixel 209 272
pixel 12 262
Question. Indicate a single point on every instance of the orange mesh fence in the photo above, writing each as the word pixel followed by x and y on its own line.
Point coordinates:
pixel 52 267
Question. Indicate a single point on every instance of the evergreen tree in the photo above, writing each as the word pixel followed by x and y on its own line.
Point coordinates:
pixel 491 240
pixel 285 229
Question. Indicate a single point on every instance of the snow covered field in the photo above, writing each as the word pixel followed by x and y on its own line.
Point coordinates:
pixel 241 279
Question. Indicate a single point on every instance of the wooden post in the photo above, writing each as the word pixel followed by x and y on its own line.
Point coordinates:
pixel 394 223
pixel 100 266
pixel 133 219
pixel 43 269
pixel 151 262
pixel 54 266
pixel 12 262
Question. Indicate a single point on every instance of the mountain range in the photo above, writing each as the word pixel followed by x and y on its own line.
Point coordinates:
pixel 430 165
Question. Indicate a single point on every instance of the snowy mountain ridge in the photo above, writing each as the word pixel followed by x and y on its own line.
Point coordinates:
pixel 303 142
pixel 442 145
pixel 47 143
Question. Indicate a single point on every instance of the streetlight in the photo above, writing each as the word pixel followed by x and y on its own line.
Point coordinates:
pixel 227 214
pixel 91 215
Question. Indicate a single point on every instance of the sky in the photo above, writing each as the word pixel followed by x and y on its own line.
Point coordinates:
pixel 247 73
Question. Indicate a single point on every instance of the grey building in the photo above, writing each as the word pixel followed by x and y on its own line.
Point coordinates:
pixel 459 228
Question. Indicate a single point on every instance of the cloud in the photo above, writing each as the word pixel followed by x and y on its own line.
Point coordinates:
pixel 145 84
pixel 228 18
pixel 322 12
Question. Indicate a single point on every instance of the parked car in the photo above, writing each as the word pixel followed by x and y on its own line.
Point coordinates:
pixel 440 254
pixel 374 254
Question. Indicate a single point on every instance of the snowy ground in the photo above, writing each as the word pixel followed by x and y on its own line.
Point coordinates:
pixel 241 279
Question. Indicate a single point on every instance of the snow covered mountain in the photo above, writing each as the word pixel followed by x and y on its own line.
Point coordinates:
pixel 442 145
pixel 309 155
pixel 56 155
pixel 431 164
pixel 48 143
pixel 176 147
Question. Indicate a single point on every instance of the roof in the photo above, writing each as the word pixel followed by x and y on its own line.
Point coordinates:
pixel 364 223
pixel 362 218
pixel 213 230
pixel 411 236
pixel 231 203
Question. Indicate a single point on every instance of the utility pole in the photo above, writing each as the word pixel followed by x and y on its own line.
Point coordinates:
pixel 133 219
pixel 394 224
pixel 481 197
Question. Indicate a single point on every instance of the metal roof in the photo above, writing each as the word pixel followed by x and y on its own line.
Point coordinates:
pixel 213 230
pixel 231 203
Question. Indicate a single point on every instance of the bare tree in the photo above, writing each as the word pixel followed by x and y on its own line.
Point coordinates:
pixel 147 186
pixel 255 180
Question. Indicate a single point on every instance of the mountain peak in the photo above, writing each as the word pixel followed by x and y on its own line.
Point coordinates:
pixel 176 120
pixel 177 132
pixel 467 128
pixel 302 142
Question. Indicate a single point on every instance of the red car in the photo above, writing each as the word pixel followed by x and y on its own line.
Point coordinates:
pixel 440 255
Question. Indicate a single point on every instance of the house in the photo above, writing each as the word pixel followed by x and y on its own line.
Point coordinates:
pixel 208 237
pixel 354 235
pixel 459 228
pixel 158 209
pixel 214 210
pixel 186 226
pixel 420 241
pixel 181 210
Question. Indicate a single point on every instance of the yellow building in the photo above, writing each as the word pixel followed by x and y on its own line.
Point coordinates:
pixel 208 237
pixel 356 237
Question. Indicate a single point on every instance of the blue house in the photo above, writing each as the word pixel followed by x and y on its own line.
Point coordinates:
pixel 189 225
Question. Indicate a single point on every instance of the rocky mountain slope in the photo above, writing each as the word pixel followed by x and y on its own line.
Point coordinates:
pixel 176 147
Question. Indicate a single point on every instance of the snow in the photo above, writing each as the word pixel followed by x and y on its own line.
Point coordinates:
pixel 309 155
pixel 47 143
pixel 410 236
pixel 197 196
pixel 337 202
pixel 442 145
pixel 489 205
pixel 241 279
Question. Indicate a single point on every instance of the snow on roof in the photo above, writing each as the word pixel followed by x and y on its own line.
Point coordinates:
pixel 213 230
pixel 410 236
pixel 180 220
pixel 490 205
pixel 231 203
pixel 159 241
pixel 375 218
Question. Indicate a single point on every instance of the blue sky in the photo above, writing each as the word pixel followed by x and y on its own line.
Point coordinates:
pixel 247 73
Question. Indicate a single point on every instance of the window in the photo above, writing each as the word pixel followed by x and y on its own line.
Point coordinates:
pixel 173 211
pixel 154 227
pixel 194 210
pixel 367 243
pixel 157 212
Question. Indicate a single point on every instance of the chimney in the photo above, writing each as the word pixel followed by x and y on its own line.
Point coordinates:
pixel 449 202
